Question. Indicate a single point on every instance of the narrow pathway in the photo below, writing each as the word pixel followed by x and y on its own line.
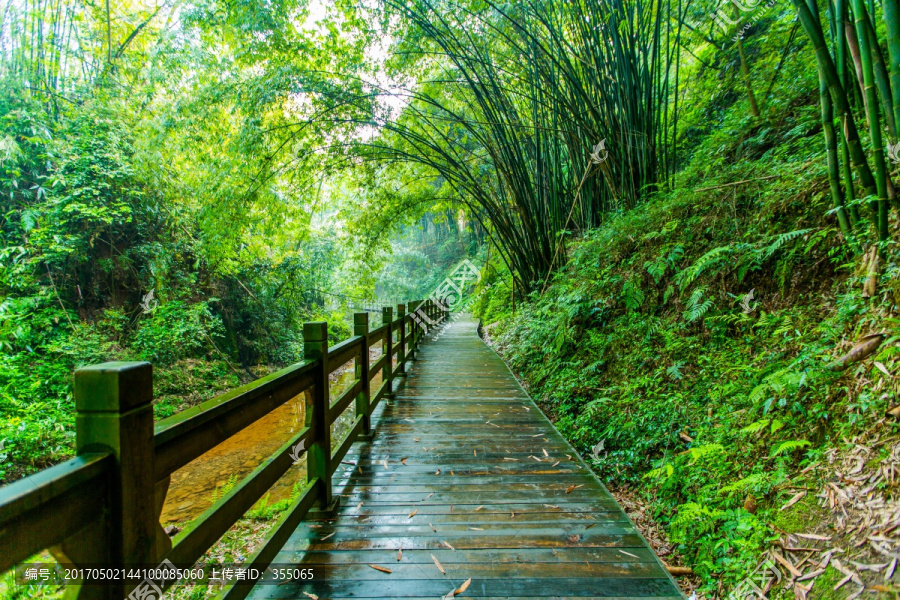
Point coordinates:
pixel 466 475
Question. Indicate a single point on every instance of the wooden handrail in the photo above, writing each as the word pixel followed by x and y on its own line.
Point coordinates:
pixel 119 480
pixel 46 508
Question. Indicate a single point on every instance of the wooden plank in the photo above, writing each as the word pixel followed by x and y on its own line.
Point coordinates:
pixel 344 400
pixel 185 436
pixel 376 367
pixel 504 587
pixel 42 510
pixel 275 540
pixel 203 531
pixel 342 353
pixel 342 450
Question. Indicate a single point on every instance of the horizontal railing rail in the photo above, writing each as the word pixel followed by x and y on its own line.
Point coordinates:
pixel 103 506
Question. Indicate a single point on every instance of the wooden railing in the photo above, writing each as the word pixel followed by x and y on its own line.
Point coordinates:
pixel 103 506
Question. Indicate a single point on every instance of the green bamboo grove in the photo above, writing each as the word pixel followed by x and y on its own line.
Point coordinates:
pixel 522 97
pixel 858 91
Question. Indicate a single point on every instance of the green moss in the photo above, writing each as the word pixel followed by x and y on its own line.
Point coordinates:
pixel 801 517
pixel 823 587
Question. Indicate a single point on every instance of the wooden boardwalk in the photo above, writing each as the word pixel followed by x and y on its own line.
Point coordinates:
pixel 466 471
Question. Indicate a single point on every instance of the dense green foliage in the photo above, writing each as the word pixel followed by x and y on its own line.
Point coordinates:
pixel 188 183
pixel 647 340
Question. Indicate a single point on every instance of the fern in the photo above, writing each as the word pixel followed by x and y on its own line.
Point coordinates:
pixel 742 484
pixel 592 407
pixel 698 452
pixel 656 268
pixel 660 475
pixel 632 295
pixel 694 518
pixel 789 446
pixel 781 240
pixel 758 393
pixel 675 371
pixel 786 326
pixel 697 306
pixel 715 256
pixel 756 427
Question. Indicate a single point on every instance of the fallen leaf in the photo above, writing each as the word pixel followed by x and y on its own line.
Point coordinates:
pixel 359 506
pixel 313 596
pixel 476 528
pixel 811 575
pixel 399 554
pixel 479 508
pixel 793 500
pixel 545 453
pixel 413 513
pixel 841 583
pixel 448 545
pixel 813 536
pixel 551 506
pixel 787 564
pixel 432 527
pixel 569 489
pixel 463 587
pixel 882 368
pixel 403 460
pixel 382 569
pixel 554 464
pixel 438 472
pixel 328 536
pixel 438 565
pixel 628 553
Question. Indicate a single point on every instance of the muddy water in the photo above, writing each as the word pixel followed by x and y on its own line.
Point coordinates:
pixel 195 487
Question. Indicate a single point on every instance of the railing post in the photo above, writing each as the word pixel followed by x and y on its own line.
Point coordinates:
pixel 387 374
pixel 315 347
pixel 114 413
pixel 361 328
pixel 413 328
pixel 401 333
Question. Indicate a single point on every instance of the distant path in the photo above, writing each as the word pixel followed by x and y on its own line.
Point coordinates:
pixel 495 493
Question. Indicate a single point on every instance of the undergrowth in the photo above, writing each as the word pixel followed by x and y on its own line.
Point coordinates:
pixel 650 351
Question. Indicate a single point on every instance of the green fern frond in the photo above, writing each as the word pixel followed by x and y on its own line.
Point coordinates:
pixel 756 427
pixel 789 446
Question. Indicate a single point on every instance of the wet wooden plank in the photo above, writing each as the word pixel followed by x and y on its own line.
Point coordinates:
pixel 465 469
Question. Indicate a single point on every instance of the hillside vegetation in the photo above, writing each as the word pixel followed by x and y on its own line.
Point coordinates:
pixel 687 345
